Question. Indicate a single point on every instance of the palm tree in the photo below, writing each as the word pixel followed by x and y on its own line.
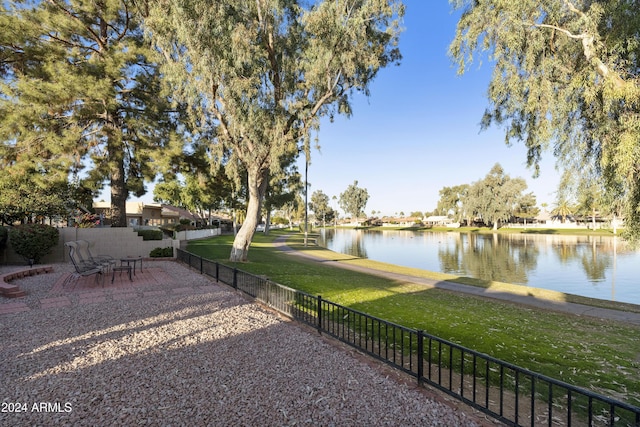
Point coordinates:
pixel 563 209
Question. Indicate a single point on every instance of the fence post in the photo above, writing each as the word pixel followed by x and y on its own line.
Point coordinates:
pixel 420 356
pixel 235 278
pixel 319 314
pixel 269 294
pixel 217 271
pixel 201 266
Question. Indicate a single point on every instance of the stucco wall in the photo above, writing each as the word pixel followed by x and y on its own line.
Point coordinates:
pixel 116 242
pixel 197 234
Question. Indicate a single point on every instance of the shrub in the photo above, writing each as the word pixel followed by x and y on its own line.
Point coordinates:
pixel 279 220
pixel 183 227
pixel 150 234
pixel 161 252
pixel 87 220
pixel 33 241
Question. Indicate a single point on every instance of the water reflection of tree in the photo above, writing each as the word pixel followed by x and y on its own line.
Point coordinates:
pixel 353 244
pixel 490 257
pixel 451 259
pixel 355 247
pixel 595 263
pixel 594 258
pixel 565 251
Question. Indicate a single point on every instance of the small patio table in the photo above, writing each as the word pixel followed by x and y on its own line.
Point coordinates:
pixel 133 260
pixel 121 268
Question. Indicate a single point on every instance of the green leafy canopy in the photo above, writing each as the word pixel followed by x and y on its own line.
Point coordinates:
pixel 259 75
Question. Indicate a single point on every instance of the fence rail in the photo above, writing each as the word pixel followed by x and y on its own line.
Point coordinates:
pixel 511 394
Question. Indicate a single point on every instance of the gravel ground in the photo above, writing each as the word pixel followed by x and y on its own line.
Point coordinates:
pixel 210 358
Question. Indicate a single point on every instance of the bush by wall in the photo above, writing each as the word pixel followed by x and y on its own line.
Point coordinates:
pixel 33 241
pixel 150 234
pixel 162 252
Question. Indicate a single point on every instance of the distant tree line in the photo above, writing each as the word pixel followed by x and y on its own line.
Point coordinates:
pixel 492 201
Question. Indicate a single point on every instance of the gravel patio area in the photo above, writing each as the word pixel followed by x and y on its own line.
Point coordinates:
pixel 190 352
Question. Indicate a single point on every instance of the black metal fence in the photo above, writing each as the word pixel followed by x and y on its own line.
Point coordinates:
pixel 513 395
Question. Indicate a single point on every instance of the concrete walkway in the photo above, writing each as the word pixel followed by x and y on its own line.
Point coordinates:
pixel 566 307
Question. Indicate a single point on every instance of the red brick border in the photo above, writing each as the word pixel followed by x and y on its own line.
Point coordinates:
pixel 12 291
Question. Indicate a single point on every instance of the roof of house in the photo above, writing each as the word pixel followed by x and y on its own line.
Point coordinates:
pixel 180 212
pixel 543 216
pixel 436 218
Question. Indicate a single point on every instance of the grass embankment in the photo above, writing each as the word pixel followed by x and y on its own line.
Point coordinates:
pixel 600 355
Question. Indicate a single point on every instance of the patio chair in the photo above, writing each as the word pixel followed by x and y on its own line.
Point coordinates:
pixel 82 267
pixel 84 251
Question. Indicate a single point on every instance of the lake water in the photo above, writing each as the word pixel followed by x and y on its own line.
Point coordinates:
pixel 593 266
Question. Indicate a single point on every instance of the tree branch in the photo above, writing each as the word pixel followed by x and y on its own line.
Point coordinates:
pixel 70 44
pixel 588 48
pixel 562 30
pixel 96 37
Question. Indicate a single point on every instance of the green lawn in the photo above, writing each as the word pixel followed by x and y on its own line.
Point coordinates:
pixel 600 355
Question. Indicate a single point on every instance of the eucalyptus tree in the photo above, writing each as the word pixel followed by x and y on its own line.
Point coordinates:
pixel 526 207
pixel 580 181
pixel 590 201
pixel 353 200
pixel 566 76
pixel 495 197
pixel 259 75
pixel 450 202
pixel 80 87
pixel 320 205
pixel 291 209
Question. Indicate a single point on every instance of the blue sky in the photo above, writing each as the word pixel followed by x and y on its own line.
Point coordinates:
pixel 419 130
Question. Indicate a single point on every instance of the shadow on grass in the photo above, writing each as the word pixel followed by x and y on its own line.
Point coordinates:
pixel 545 231
pixel 339 259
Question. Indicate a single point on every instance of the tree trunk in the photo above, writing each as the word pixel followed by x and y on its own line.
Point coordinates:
pixel 118 195
pixel 235 223
pixel 257 185
pixel 267 223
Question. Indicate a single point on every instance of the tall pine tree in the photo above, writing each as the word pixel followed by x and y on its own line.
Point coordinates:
pixel 80 88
